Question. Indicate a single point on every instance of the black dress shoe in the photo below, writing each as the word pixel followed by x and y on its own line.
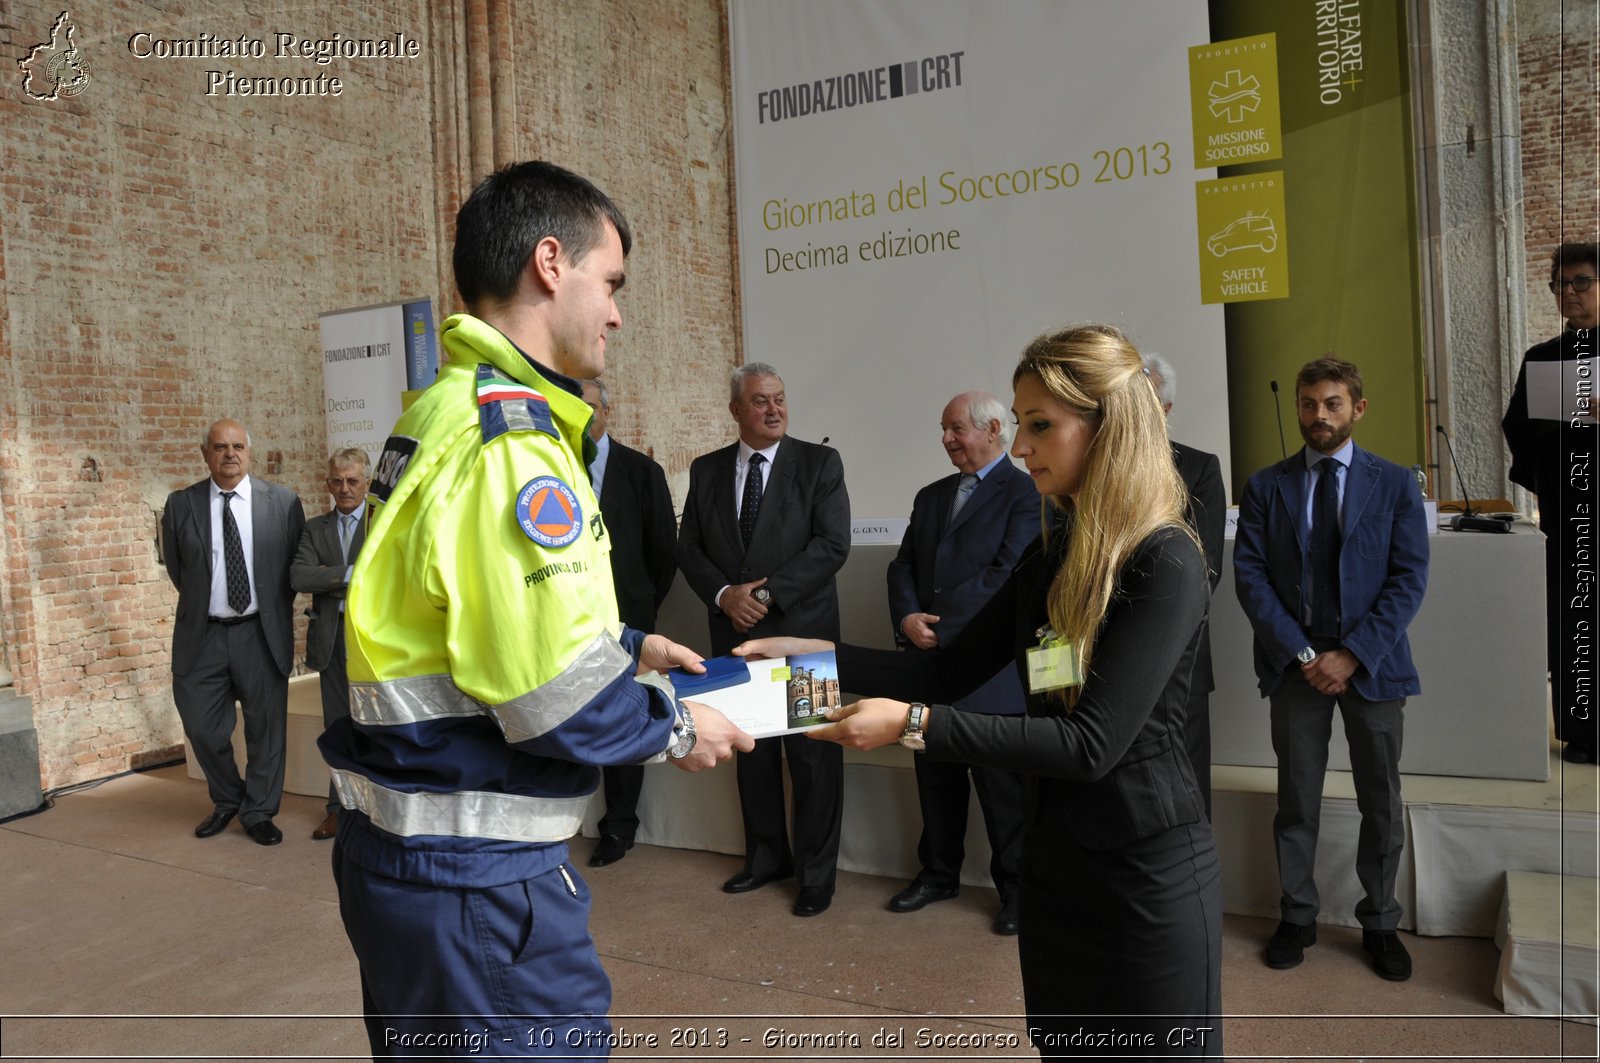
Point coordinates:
pixel 1576 754
pixel 744 881
pixel 813 900
pixel 1288 944
pixel 215 823
pixel 1389 957
pixel 919 895
pixel 1006 922
pixel 609 851
pixel 264 833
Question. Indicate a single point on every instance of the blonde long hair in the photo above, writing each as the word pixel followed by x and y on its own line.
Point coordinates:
pixel 1130 485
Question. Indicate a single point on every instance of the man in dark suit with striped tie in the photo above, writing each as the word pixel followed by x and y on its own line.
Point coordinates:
pixel 227 542
pixel 322 566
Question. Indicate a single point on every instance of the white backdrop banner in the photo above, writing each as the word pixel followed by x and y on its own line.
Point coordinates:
pixel 925 185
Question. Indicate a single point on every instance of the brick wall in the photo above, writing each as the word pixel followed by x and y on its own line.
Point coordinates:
pixel 164 256
pixel 1560 99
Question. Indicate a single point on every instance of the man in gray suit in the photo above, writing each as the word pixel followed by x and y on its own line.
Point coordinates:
pixel 227 542
pixel 322 565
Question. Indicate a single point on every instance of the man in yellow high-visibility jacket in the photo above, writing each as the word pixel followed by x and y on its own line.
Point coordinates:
pixel 490 678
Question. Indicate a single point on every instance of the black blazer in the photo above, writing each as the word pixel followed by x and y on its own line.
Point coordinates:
pixel 1208 516
pixel 276 520
pixel 950 568
pixel 1114 770
pixel 638 512
pixel 319 570
pixel 801 540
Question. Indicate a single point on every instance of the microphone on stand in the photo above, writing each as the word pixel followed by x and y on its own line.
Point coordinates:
pixel 1277 405
pixel 1467 520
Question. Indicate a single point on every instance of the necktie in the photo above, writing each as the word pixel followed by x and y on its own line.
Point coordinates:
pixel 964 489
pixel 751 505
pixel 233 558
pixel 347 534
pixel 1325 541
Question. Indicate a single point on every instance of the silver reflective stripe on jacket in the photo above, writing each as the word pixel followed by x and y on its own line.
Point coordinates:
pixel 414 699
pixel 417 699
pixel 540 711
pixel 468 814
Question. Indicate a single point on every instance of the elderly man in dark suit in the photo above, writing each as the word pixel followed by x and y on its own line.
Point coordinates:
pixel 1330 562
pixel 966 533
pixel 322 567
pixel 227 542
pixel 1208 516
pixel 637 508
pixel 765 529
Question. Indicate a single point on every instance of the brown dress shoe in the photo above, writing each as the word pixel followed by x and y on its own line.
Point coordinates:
pixel 328 829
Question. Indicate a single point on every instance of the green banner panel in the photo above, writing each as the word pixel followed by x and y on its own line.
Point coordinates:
pixel 1233 95
pixel 1244 246
pixel 1347 185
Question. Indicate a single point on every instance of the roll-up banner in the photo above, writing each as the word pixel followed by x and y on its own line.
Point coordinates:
pixel 370 356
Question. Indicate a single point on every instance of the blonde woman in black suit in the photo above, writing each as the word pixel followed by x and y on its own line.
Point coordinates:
pixel 1120 896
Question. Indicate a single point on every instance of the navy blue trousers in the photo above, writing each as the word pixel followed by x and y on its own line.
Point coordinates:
pixel 473 973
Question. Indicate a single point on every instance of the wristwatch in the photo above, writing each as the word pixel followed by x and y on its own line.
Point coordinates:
pixel 762 595
pixel 683 734
pixel 1306 655
pixel 912 737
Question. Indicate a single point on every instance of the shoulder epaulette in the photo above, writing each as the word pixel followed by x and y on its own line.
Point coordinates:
pixel 506 405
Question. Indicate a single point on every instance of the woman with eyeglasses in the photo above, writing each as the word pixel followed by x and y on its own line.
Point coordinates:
pixel 1553 455
pixel 1120 900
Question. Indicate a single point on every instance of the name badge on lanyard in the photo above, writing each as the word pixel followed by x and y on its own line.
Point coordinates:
pixel 1053 664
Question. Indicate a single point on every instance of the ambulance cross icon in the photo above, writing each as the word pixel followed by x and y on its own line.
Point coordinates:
pixel 1234 96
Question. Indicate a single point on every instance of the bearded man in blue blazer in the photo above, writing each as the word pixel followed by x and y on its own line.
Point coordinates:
pixel 1330 563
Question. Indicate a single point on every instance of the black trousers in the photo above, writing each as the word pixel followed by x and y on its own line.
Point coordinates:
pixel 817 772
pixel 335 696
pixel 623 783
pixel 942 792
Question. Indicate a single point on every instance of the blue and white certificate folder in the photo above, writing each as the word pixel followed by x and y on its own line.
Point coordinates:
pixel 779 695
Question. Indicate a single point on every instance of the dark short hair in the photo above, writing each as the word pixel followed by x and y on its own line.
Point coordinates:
pixel 1330 368
pixel 1572 255
pixel 514 208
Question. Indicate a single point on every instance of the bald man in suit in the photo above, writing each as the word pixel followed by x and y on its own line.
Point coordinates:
pixel 228 542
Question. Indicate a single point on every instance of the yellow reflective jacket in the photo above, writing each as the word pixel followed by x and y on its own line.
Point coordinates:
pixel 489 674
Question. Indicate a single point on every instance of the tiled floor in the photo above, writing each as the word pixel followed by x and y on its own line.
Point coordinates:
pixel 123 935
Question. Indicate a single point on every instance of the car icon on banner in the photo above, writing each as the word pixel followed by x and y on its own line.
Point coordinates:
pixel 1251 231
